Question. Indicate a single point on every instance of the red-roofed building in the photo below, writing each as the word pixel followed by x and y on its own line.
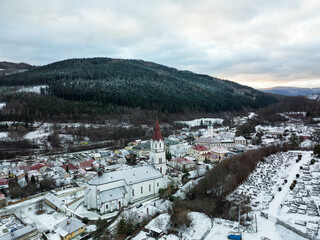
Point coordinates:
pixel 196 151
pixel 70 167
pixel 86 164
pixel 181 163
pixel 37 166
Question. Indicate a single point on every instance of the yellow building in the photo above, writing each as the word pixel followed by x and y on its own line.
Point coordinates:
pixel 69 228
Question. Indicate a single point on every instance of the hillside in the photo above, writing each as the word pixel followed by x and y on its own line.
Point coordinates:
pixel 11 68
pixel 292 91
pixel 109 83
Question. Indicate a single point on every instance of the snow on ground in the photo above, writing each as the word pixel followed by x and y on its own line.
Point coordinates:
pixel 205 121
pixel 199 226
pixel 2 105
pixel 252 115
pixel 307 144
pixel 34 89
pixel 186 188
pixel 266 228
pixel 279 171
pixel 3 135
pixel 41 133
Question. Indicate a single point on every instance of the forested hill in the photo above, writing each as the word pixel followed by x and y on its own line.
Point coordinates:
pixel 136 83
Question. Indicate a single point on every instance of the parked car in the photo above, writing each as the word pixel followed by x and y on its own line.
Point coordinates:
pixel 139 205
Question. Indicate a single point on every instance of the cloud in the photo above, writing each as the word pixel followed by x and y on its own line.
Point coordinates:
pixel 258 43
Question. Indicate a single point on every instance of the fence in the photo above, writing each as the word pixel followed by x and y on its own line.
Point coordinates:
pixel 287 226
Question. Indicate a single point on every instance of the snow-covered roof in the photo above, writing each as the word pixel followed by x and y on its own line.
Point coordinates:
pixel 112 194
pixel 54 200
pixel 240 138
pixel 130 175
pixel 20 232
pixel 67 226
pixel 219 150
pixel 183 161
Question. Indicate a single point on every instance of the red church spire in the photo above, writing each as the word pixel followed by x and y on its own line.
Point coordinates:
pixel 156 132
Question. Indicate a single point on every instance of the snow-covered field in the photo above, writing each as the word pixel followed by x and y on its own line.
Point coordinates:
pixel 34 89
pixel 205 121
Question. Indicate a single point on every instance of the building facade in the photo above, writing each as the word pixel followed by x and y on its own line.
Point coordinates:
pixel 110 191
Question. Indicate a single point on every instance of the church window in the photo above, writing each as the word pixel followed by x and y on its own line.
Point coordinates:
pixel 132 192
pixel 160 145
pixel 160 160
pixel 157 184
pixel 107 206
pixel 149 187
pixel 141 189
pixel 161 170
pixel 155 145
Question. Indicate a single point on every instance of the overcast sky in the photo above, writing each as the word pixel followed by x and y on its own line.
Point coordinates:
pixel 258 43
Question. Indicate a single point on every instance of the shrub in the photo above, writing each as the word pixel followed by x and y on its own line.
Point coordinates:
pixel 285 181
pixel 179 217
pixel 312 161
pixel 299 157
pixel 301 167
pixel 297 175
pixel 297 160
pixel 279 189
pixel 291 187
pixel 294 182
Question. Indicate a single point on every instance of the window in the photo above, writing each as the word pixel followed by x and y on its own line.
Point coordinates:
pixel 157 184
pixel 155 145
pixel 107 206
pixel 149 187
pixel 161 170
pixel 132 192
pixel 160 160
pixel 141 189
pixel 160 145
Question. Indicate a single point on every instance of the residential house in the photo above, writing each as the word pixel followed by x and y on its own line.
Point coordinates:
pixel 220 151
pixel 197 150
pixel 181 163
pixel 69 228
pixel 54 202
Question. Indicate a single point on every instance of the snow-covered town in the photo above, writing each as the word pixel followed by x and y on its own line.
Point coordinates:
pixel 73 192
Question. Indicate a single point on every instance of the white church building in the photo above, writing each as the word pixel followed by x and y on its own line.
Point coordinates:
pixel 107 192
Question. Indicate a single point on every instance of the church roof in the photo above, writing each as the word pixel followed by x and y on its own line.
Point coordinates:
pixel 129 175
pixel 112 194
pixel 157 132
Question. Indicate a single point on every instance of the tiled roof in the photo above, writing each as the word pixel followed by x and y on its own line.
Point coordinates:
pixel 200 148
pixel 37 166
pixel 183 161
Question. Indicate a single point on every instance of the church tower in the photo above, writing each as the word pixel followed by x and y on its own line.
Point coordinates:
pixel 157 150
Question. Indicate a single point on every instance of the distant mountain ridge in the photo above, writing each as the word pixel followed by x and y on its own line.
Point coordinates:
pixel 292 91
pixel 136 83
